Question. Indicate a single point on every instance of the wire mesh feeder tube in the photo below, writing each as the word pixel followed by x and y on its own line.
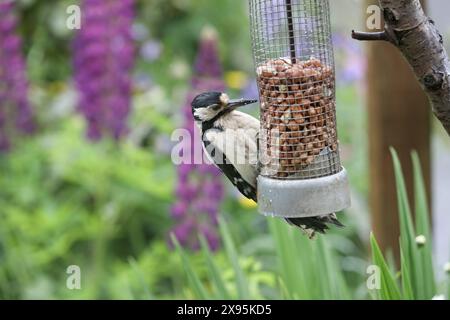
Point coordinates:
pixel 301 174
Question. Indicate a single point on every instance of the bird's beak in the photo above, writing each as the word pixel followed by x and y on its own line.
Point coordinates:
pixel 233 104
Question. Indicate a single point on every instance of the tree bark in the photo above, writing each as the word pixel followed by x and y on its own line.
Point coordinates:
pixel 415 35
pixel 398 116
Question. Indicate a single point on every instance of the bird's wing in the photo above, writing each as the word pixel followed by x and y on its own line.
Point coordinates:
pixel 235 153
pixel 244 120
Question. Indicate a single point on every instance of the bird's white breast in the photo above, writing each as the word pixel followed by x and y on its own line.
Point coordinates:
pixel 235 136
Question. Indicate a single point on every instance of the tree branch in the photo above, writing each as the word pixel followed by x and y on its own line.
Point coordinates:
pixel 369 36
pixel 415 35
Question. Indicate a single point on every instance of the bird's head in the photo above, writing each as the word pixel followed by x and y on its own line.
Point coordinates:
pixel 212 105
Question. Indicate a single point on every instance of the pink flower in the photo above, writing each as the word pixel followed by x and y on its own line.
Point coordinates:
pixel 103 61
pixel 14 104
pixel 199 190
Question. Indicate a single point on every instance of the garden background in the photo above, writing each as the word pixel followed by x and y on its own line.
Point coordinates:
pixel 86 176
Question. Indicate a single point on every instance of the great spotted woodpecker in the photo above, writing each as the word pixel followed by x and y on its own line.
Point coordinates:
pixel 230 139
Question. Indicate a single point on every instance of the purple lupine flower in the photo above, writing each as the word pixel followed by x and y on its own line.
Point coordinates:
pixel 207 63
pixel 199 190
pixel 103 61
pixel 15 110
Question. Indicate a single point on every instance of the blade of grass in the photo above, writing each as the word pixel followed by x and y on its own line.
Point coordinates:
pixel 289 264
pixel 321 268
pixel 335 281
pixel 325 270
pixel 408 293
pixel 303 253
pixel 214 272
pixel 423 227
pixel 193 279
pixel 241 280
pixel 284 292
pixel 389 289
pixel 407 233
pixel 141 278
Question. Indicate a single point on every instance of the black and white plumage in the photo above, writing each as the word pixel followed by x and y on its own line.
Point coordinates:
pixel 230 140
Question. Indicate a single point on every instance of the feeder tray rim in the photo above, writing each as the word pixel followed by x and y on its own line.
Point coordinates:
pixel 303 198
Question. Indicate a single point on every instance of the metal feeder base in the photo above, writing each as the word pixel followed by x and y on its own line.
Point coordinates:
pixel 303 198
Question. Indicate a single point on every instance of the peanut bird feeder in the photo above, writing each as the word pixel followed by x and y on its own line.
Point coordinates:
pixel 300 170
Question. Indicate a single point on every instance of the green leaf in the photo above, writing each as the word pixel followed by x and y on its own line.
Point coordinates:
pixel 407 233
pixel 141 278
pixel 408 293
pixel 291 265
pixel 334 281
pixel 241 280
pixel 389 289
pixel 195 283
pixel 285 294
pixel 328 280
pixel 423 228
pixel 214 272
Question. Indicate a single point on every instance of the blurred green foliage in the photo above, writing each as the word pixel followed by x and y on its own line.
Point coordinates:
pixel 105 206
pixel 63 200
pixel 175 23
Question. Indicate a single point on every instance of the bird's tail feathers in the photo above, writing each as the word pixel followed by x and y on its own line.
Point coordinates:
pixel 312 225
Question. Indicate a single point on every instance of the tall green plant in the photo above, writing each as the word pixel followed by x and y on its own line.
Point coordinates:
pixel 305 269
pixel 416 266
pixel 308 269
